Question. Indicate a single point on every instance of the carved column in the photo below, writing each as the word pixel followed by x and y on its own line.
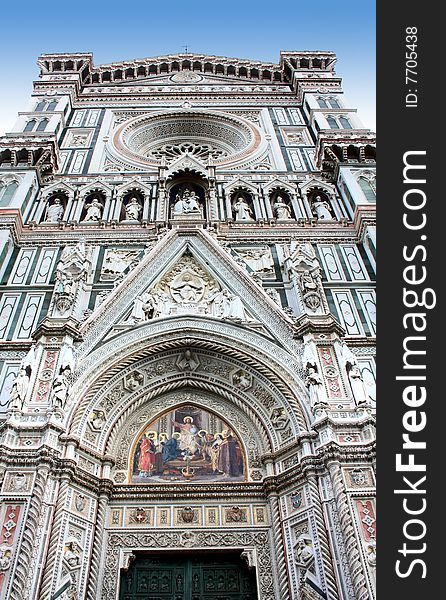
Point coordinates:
pixel 50 567
pixel 279 547
pixel 329 573
pixel 28 537
pixel 351 543
pixel 93 578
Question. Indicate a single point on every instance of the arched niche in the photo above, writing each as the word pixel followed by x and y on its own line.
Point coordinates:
pixel 281 205
pixel 320 204
pixel 55 207
pixel 93 207
pixel 242 203
pixel 186 192
pixel 132 206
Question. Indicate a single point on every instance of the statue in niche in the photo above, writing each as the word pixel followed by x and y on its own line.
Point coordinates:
pixel 355 379
pixel 315 386
pixel 187 203
pixel 94 210
pixel 54 211
pixel 322 209
pixel 357 385
pixel 133 209
pixel 19 389
pixel 281 209
pixel 304 551
pixel 61 387
pixel 242 210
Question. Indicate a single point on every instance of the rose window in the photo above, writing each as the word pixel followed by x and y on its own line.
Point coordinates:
pixel 147 140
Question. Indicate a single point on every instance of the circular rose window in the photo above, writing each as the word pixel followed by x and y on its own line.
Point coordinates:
pixel 146 140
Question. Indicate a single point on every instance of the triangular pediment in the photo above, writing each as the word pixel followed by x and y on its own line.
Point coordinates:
pixel 187 273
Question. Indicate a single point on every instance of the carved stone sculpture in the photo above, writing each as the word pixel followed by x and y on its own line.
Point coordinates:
pixel 133 209
pixel 304 551
pixel 242 210
pixel 19 389
pixel 322 209
pixel 281 209
pixel 54 212
pixel 186 204
pixel 94 210
pixel 61 387
pixel 315 386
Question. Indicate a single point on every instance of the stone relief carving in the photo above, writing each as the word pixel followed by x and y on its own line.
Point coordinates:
pixel 188 289
pixel 5 557
pixel 304 551
pixel 116 262
pixel 258 259
pixel 72 270
pixel 304 270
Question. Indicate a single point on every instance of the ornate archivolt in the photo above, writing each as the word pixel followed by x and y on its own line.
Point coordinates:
pixel 254 350
pixel 273 399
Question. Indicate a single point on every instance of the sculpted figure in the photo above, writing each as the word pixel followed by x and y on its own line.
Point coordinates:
pixel 61 387
pixel 54 212
pixel 322 209
pixel 187 203
pixel 304 551
pixel 19 389
pixel 133 209
pixel 281 209
pixel 94 210
pixel 242 210
pixel 315 386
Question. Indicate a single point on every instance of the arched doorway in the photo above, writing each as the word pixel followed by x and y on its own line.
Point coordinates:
pixel 217 575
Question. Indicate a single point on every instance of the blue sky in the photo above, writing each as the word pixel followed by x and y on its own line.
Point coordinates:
pixel 116 31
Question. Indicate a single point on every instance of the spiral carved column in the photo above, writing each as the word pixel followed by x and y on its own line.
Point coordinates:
pixel 28 539
pixel 92 591
pixel 282 572
pixel 330 577
pixel 49 574
pixel 351 545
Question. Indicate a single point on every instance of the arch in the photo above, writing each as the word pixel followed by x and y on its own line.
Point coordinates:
pixel 345 123
pixel 271 371
pixel 182 181
pixel 30 125
pixel 7 191
pixel 42 125
pixel 332 122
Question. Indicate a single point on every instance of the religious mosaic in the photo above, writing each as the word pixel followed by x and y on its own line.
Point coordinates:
pixel 188 444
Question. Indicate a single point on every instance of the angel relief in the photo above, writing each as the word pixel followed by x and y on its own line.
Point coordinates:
pixel 188 444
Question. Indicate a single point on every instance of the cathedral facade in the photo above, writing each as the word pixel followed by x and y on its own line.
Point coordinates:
pixel 187 333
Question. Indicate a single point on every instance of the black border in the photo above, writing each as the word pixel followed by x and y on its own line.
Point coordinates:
pixel 399 130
